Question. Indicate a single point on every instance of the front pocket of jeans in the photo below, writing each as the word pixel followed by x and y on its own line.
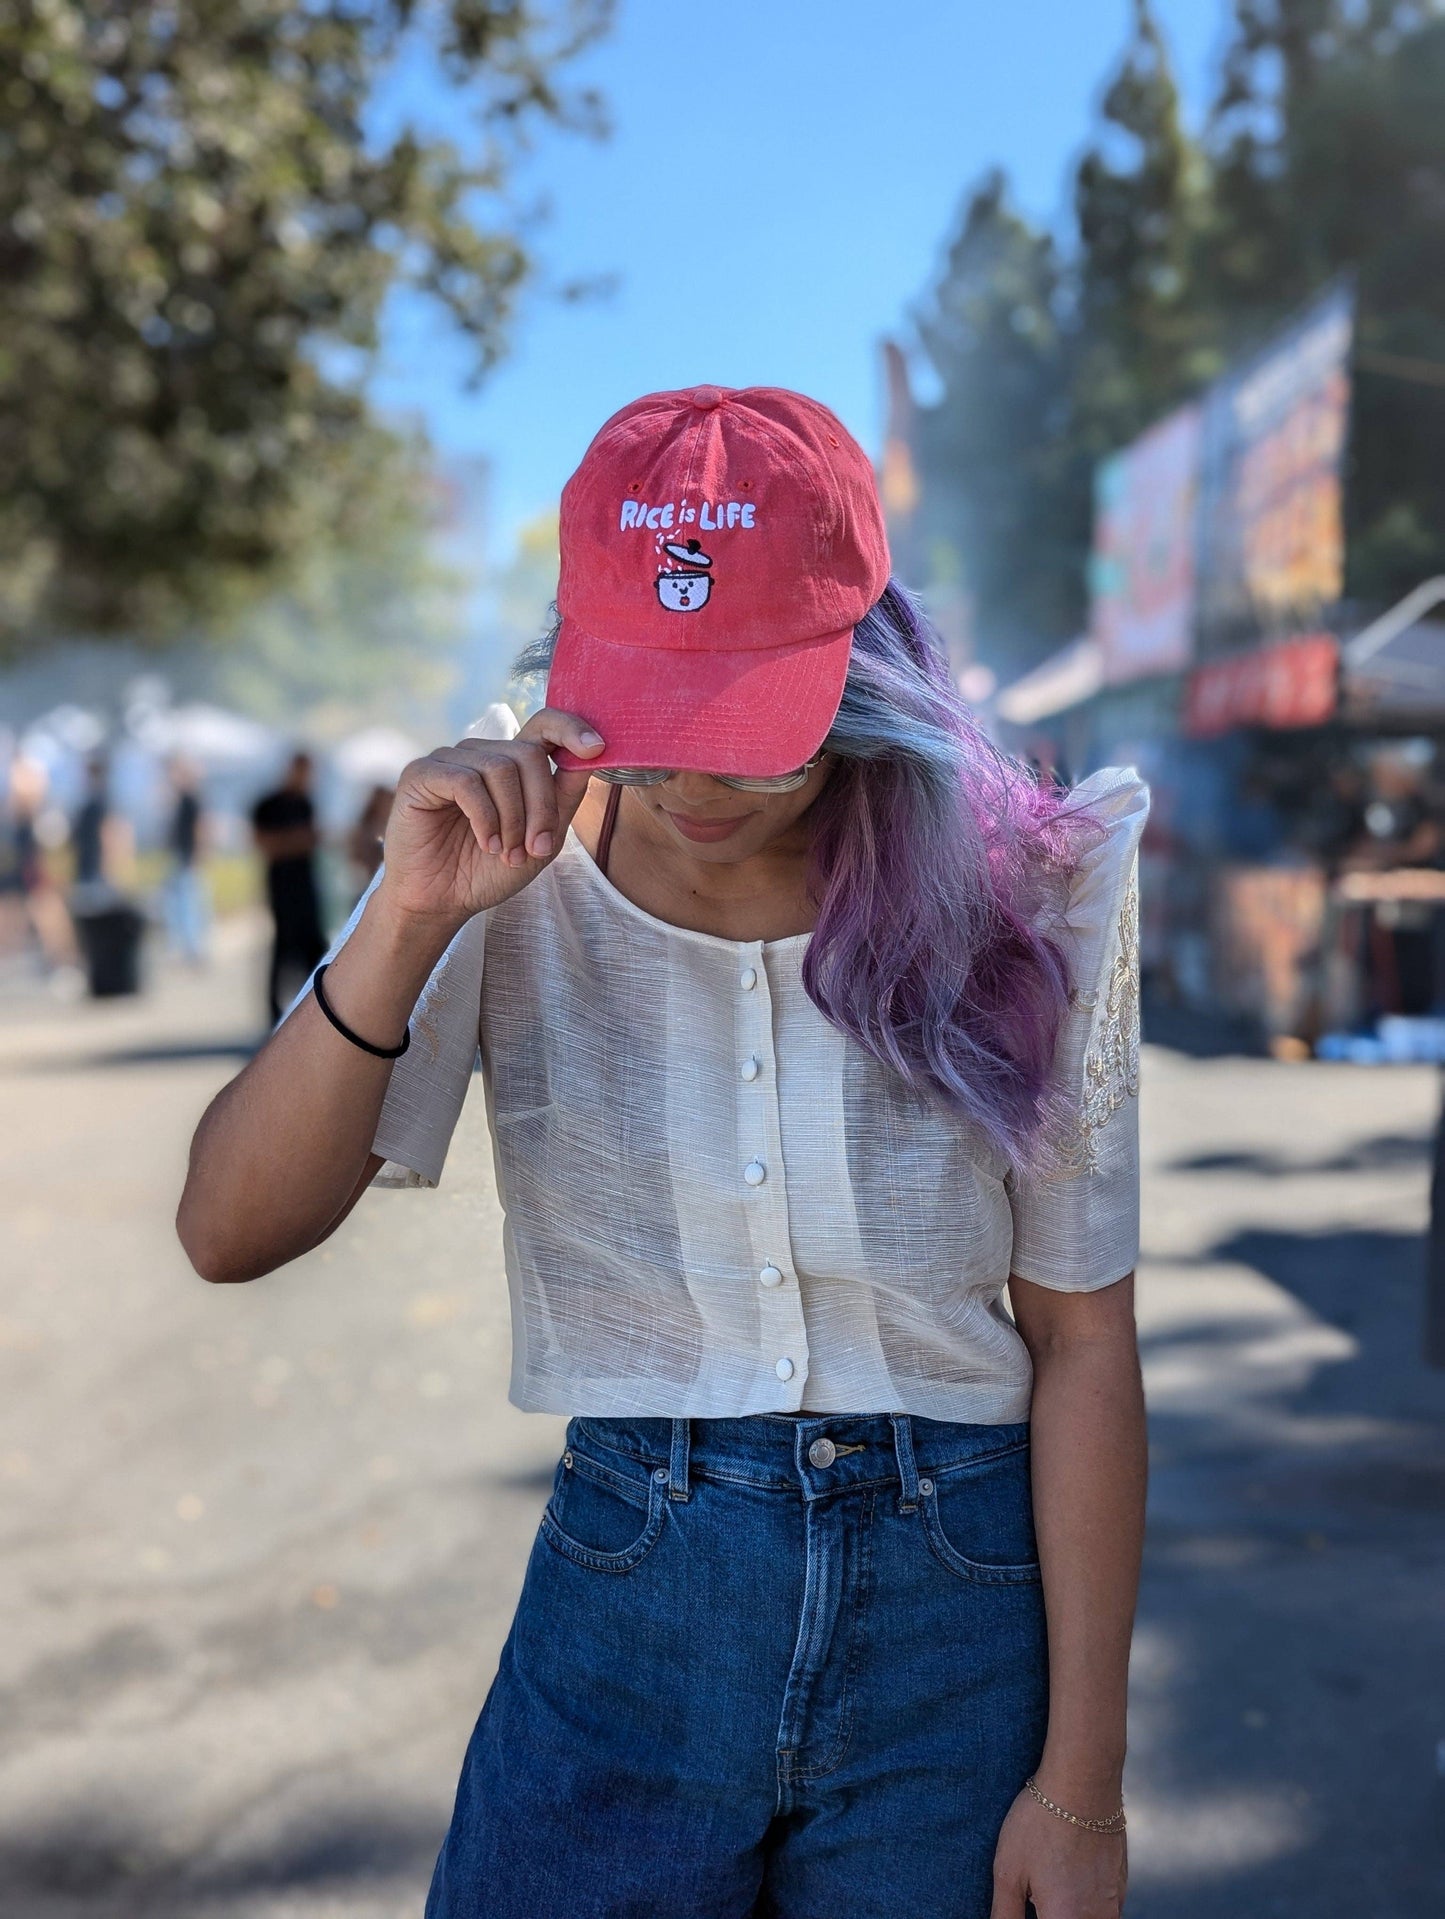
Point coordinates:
pixel 602 1518
pixel 978 1520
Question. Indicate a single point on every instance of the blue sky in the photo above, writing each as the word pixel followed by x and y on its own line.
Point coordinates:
pixel 777 188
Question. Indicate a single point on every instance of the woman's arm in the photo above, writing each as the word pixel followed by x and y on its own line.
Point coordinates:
pixel 284 1151
pixel 1090 1468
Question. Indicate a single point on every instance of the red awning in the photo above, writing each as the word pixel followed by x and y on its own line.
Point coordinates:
pixel 1291 682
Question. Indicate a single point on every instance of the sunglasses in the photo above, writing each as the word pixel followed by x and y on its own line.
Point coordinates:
pixel 745 783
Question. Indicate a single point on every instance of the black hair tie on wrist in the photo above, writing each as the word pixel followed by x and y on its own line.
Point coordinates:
pixel 377 1052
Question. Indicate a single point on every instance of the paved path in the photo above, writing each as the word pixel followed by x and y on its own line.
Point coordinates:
pixel 260 1544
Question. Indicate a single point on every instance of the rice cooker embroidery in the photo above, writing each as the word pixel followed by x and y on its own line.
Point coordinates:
pixel 684 584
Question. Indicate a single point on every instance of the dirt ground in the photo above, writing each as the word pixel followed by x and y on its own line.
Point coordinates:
pixel 261 1543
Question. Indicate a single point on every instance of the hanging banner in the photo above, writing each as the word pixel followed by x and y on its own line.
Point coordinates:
pixel 1141 572
pixel 1271 520
pixel 1293 682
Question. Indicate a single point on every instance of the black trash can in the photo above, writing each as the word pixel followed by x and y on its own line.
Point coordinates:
pixel 110 939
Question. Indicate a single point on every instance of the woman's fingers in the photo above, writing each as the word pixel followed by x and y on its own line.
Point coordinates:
pixel 569 783
pixel 539 796
pixel 532 813
pixel 555 727
pixel 518 805
pixel 450 781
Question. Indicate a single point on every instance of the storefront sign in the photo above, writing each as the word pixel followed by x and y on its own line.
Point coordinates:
pixel 1271 529
pixel 1142 568
pixel 1290 683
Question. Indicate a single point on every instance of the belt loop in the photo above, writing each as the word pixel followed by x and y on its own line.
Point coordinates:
pixel 907 1464
pixel 677 1465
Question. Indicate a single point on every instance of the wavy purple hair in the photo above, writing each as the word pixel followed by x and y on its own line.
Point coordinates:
pixel 936 860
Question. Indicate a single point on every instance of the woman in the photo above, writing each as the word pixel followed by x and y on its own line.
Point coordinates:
pixel 806 1026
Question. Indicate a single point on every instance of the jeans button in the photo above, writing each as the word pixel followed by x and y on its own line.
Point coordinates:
pixel 822 1452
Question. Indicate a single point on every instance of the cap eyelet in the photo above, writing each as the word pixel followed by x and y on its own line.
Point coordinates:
pixel 832 440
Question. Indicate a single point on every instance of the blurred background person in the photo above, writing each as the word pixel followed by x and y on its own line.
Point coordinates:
pixel 363 845
pixel 186 901
pixel 1401 825
pixel 102 843
pixel 31 904
pixel 284 825
pixel 109 924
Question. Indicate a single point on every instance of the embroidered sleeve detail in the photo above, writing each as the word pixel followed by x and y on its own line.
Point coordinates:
pixel 1111 1065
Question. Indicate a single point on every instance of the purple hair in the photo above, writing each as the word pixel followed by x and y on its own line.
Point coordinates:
pixel 935 861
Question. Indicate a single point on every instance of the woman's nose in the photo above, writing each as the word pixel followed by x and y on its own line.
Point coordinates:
pixel 695 787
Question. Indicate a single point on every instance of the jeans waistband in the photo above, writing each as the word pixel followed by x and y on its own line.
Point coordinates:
pixel 812 1454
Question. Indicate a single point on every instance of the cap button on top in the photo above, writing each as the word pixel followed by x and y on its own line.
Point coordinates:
pixel 707 397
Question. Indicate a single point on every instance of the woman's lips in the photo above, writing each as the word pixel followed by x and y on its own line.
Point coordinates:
pixel 704 830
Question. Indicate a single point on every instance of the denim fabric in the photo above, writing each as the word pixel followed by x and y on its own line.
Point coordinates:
pixel 756 1676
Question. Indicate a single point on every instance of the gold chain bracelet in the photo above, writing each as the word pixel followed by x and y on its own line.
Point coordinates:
pixel 1114 1822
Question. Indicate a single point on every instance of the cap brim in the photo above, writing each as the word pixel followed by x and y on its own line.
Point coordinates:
pixel 754 712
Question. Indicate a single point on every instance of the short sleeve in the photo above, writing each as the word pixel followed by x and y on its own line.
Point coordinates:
pixel 1076 1226
pixel 429 1082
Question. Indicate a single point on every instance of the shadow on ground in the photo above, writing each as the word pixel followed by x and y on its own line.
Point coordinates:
pixel 173 1053
pixel 1199 1035
pixel 348 1855
pixel 1371 1155
pixel 1287 1710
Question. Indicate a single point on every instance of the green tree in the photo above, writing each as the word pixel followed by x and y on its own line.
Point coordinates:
pixel 1324 153
pixel 998 508
pixel 1142 336
pixel 1049 362
pixel 198 228
pixel 1367 167
pixel 357 632
pixel 1329 147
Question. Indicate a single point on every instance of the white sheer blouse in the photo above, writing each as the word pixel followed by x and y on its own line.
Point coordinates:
pixel 717 1204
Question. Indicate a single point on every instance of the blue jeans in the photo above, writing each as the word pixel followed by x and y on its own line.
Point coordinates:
pixel 782 1667
pixel 188 912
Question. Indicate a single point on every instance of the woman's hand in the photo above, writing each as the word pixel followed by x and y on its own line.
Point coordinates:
pixel 473 823
pixel 1068 1872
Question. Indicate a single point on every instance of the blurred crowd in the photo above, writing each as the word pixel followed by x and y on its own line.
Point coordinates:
pixel 77 896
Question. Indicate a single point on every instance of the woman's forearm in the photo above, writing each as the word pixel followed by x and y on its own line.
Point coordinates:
pixel 1090 1469
pixel 280 1151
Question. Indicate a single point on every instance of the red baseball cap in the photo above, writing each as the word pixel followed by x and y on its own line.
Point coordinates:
pixel 719 545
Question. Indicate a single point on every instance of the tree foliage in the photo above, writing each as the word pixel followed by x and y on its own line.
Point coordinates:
pixel 356 633
pixel 1323 151
pixel 199 224
pixel 992 332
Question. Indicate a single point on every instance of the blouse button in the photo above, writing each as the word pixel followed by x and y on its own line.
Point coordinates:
pixel 755 1172
pixel 784 1369
pixel 748 978
pixel 770 1276
pixel 750 1066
